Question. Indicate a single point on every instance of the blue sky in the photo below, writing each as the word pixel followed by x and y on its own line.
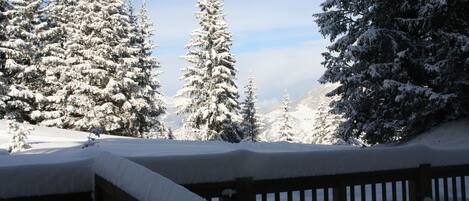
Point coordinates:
pixel 276 40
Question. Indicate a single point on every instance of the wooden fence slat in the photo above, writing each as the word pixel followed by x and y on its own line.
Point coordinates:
pixel 362 192
pixel 454 189
pixel 277 196
pixel 326 194
pixel 314 194
pixel 445 186
pixel 463 187
pixel 436 182
pixel 404 190
pixel 302 195
pixel 384 191
pixel 264 196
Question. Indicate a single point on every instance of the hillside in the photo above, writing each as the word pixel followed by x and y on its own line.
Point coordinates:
pixel 303 112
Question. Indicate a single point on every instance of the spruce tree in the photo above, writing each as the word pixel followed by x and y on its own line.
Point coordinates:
pixel 286 128
pixel 210 80
pixel 148 82
pixel 326 126
pixel 251 124
pixel 52 61
pixel 19 135
pixel 3 37
pixel 402 65
pixel 103 79
pixel 18 53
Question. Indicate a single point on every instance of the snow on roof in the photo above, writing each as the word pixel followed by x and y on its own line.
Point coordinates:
pixel 139 181
pixel 47 177
pixel 52 140
pixel 56 153
pixel 275 165
pixel 450 135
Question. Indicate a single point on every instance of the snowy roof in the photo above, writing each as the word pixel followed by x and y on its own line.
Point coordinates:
pixel 57 152
pixel 52 140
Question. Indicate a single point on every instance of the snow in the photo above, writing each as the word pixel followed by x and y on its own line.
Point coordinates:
pixel 52 140
pixel 139 181
pixel 450 135
pixel 37 175
pixel 244 163
pixel 57 156
pixel 303 113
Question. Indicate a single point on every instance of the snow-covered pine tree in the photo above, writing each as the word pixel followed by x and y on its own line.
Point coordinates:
pixel 251 124
pixel 210 80
pixel 149 84
pixel 19 134
pixel 3 37
pixel 102 80
pixel 446 24
pixel 170 135
pixel 52 62
pixel 18 55
pixel 326 126
pixel 402 65
pixel 286 128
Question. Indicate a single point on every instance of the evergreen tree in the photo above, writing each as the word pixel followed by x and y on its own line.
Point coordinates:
pixel 148 82
pixel 326 126
pixel 52 62
pixel 19 135
pixel 286 129
pixel 170 135
pixel 3 37
pixel 402 65
pixel 18 53
pixel 251 124
pixel 102 79
pixel 210 80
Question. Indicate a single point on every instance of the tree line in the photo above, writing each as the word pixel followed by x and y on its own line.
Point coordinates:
pixel 85 64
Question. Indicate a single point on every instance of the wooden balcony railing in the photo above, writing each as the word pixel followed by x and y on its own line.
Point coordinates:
pixel 413 184
pixel 445 183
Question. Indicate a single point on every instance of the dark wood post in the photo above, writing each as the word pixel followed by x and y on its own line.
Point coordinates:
pixel 340 192
pixel 245 189
pixel 423 184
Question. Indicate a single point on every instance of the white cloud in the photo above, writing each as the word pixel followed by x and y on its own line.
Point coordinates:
pixel 248 15
pixel 294 68
pixel 175 19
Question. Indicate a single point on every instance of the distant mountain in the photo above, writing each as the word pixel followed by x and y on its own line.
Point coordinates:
pixel 171 118
pixel 303 112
